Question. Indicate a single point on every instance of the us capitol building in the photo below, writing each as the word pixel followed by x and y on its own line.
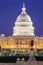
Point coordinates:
pixel 23 39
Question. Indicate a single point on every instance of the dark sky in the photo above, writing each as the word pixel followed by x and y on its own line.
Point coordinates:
pixel 10 9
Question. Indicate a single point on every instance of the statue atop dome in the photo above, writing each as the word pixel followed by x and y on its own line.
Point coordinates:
pixel 23 5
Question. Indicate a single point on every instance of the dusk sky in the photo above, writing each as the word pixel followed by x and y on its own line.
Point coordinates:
pixel 10 9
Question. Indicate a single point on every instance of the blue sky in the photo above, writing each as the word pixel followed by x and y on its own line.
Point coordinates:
pixel 10 9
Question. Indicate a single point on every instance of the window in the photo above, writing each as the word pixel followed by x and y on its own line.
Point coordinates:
pixel 16 41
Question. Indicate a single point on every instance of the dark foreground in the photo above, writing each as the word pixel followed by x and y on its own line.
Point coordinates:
pixel 14 59
pixel 31 61
pixel 24 63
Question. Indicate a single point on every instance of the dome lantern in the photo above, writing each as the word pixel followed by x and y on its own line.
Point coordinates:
pixel 23 9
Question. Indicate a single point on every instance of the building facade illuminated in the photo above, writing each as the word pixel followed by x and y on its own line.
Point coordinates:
pixel 23 37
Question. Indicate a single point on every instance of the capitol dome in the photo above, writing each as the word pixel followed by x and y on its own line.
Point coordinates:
pixel 23 25
pixel 23 18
